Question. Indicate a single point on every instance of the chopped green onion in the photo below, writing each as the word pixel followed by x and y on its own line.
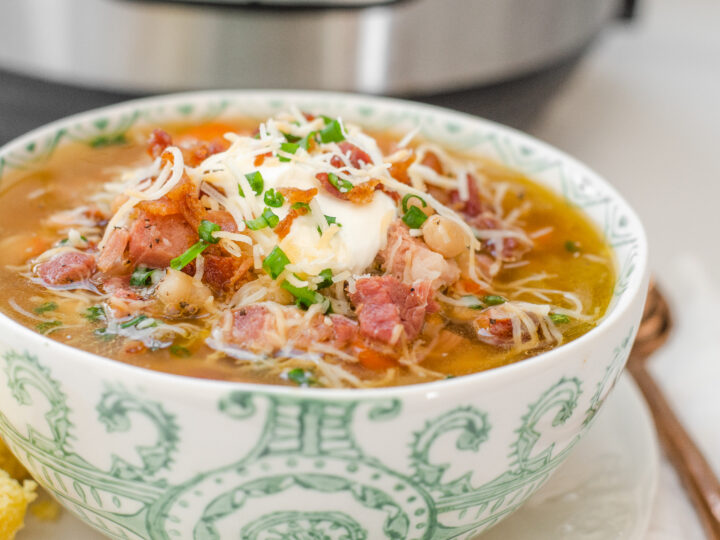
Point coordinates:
pixel 300 206
pixel 572 247
pixel 305 141
pixel 179 351
pixel 134 321
pixel 326 119
pixel 180 262
pixel 274 198
pixel 472 302
pixel 332 132
pixel 289 137
pixel 102 333
pixel 288 147
pixel 332 220
pixel 493 300
pixel 342 185
pixel 301 377
pixel 141 276
pixel 47 326
pixel 275 262
pixel 304 297
pixel 206 230
pixel 266 219
pixel 256 182
pixel 414 217
pixel 407 198
pixel 94 313
pixel 326 276
pixel 559 318
pixel 44 308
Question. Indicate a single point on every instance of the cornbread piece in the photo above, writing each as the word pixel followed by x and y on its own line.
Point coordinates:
pixel 14 500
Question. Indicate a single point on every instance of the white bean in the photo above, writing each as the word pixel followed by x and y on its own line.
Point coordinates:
pixel 181 294
pixel 444 236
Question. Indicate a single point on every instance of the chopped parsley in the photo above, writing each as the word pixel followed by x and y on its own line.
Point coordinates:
pixel 301 377
pixel 273 198
pixel 559 318
pixel 275 262
pixel 103 334
pixel 571 246
pixel 180 351
pixel 47 326
pixel 94 313
pixel 44 308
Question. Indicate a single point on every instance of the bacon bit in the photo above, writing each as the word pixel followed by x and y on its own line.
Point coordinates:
pixel 363 193
pixel 283 228
pixel 398 169
pixel 223 273
pixel 134 347
pixel 359 194
pixel 355 155
pixel 259 160
pixel 374 360
pixel 309 117
pixel 223 219
pixel 158 142
pixel 474 206
pixel 394 195
pixel 294 195
pixel 431 160
pixel 470 286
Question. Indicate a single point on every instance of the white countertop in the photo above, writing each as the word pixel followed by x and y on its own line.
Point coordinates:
pixel 643 110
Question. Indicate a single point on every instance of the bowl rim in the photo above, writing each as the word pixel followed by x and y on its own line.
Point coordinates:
pixel 523 368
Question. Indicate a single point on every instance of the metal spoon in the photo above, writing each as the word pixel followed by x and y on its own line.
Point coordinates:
pixel 698 478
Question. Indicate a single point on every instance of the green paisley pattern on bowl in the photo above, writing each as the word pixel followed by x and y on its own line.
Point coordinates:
pixel 307 448
pixel 306 465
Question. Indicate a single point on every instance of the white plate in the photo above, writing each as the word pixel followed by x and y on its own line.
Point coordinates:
pixel 604 490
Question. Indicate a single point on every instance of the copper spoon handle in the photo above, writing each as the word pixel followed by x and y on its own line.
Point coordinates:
pixel 697 476
pixel 695 472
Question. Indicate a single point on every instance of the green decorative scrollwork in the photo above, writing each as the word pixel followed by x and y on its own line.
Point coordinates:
pixel 114 408
pixel 24 372
pixel 474 430
pixel 304 526
pixel 562 396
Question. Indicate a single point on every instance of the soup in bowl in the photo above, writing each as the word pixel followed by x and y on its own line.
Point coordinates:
pixel 272 314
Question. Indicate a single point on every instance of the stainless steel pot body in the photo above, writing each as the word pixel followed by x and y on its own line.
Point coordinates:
pixel 410 47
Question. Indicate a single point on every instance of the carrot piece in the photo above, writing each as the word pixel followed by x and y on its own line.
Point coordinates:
pixel 374 360
pixel 207 132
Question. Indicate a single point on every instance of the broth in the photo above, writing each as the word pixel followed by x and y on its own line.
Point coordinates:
pixel 568 268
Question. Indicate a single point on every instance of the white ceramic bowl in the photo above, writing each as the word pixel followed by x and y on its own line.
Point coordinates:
pixel 140 454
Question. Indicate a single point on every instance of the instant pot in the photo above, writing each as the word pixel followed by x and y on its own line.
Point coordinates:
pixel 499 59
